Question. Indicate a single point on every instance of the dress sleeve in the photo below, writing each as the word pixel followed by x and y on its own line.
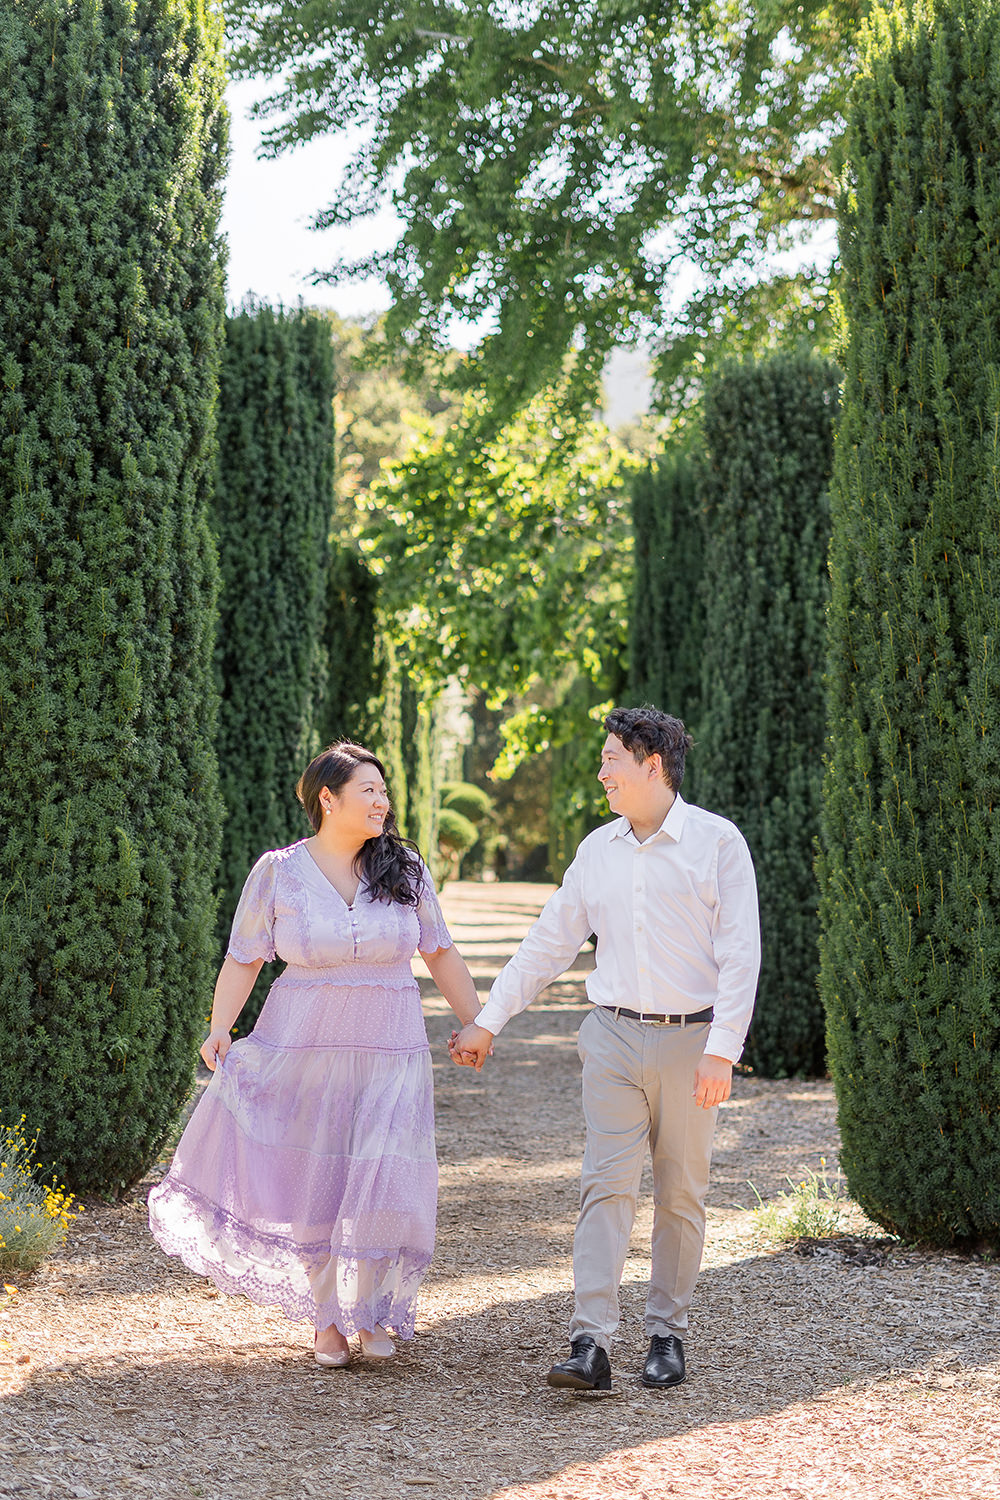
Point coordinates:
pixel 433 932
pixel 252 936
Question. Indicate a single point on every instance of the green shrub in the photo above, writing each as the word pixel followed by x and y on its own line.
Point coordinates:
pixel 910 865
pixel 768 436
pixel 471 801
pixel 456 833
pixel 272 512
pixel 667 630
pixel 112 145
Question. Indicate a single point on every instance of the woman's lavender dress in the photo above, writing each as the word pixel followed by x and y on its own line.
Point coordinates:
pixel 306 1177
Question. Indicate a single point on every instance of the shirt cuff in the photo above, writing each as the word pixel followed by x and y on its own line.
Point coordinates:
pixel 491 1017
pixel 724 1043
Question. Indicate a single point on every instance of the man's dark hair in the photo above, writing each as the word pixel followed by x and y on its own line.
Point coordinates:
pixel 648 731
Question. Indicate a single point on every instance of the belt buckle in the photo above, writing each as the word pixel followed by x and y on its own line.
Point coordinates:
pixel 652 1020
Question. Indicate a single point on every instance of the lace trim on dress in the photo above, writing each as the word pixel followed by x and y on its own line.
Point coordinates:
pixel 265 1266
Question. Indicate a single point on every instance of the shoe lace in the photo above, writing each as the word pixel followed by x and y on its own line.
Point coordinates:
pixel 582 1345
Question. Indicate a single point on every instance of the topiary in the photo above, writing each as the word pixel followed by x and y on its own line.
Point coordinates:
pixel 910 862
pixel 768 428
pixel 471 801
pixel 112 149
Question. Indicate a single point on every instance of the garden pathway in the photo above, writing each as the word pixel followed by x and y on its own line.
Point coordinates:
pixel 837 1373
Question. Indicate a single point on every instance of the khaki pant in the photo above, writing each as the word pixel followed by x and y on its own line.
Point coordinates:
pixel 638 1082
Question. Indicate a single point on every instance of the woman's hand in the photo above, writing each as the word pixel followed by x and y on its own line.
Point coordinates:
pixel 215 1046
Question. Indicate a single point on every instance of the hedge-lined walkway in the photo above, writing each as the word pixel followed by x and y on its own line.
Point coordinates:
pixel 838 1373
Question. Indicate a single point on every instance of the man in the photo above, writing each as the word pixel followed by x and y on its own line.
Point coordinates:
pixel 669 891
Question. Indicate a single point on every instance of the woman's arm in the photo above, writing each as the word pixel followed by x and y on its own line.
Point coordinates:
pixel 450 973
pixel 232 988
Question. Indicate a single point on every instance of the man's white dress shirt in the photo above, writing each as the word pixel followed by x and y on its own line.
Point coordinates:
pixel 676 925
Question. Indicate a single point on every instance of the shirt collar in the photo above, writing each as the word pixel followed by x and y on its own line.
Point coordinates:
pixel 672 825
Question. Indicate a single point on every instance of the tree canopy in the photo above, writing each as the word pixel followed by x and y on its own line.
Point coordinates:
pixel 378 412
pixel 505 564
pixel 509 565
pixel 553 166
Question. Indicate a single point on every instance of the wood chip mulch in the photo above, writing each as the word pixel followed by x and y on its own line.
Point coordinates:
pixel 842 1367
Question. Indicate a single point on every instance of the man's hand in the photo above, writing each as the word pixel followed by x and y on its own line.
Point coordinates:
pixel 713 1081
pixel 471 1047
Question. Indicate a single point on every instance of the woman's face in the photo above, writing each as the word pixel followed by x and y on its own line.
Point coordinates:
pixel 362 804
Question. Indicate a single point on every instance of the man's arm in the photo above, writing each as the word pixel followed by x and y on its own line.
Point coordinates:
pixel 548 948
pixel 736 946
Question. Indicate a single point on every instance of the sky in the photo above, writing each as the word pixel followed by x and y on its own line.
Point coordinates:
pixel 268 205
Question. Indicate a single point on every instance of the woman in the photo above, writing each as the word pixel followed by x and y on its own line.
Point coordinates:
pixel 307 1177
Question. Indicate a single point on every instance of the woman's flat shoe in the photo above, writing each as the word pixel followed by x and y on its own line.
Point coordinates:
pixel 332 1361
pixel 377 1344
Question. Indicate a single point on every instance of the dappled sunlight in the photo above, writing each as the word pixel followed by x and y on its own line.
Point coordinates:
pixel 809 1374
pixel 791 1360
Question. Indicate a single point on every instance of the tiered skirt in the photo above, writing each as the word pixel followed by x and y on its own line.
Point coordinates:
pixel 306 1178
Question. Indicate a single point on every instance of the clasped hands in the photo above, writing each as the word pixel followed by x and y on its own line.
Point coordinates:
pixel 471 1046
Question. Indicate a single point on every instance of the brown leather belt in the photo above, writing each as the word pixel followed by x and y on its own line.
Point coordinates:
pixel 695 1018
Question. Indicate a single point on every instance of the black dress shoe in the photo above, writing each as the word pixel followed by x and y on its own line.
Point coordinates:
pixel 587 1369
pixel 664 1363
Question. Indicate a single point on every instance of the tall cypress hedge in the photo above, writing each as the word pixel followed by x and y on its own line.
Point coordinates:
pixel 668 616
pixel 910 867
pixel 346 702
pixel 112 145
pixel 768 429
pixel 407 737
pixel 272 513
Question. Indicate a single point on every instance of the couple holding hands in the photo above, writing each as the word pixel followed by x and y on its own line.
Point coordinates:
pixel 307 1176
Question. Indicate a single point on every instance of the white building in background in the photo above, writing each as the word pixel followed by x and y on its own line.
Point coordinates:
pixel 628 387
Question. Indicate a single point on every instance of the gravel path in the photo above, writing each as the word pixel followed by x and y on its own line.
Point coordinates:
pixel 810 1376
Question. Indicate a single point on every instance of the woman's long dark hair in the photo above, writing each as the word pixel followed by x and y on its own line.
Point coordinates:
pixel 389 864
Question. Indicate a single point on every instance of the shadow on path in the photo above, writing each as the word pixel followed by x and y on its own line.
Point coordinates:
pixel 138 1379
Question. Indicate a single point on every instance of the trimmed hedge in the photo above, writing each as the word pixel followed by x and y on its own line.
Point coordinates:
pixel 668 616
pixel 346 706
pixel 456 833
pixel 910 865
pixel 273 502
pixel 472 802
pixel 768 429
pixel 112 147
pixel 285 607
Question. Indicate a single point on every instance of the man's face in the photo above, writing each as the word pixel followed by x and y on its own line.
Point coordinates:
pixel 630 785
